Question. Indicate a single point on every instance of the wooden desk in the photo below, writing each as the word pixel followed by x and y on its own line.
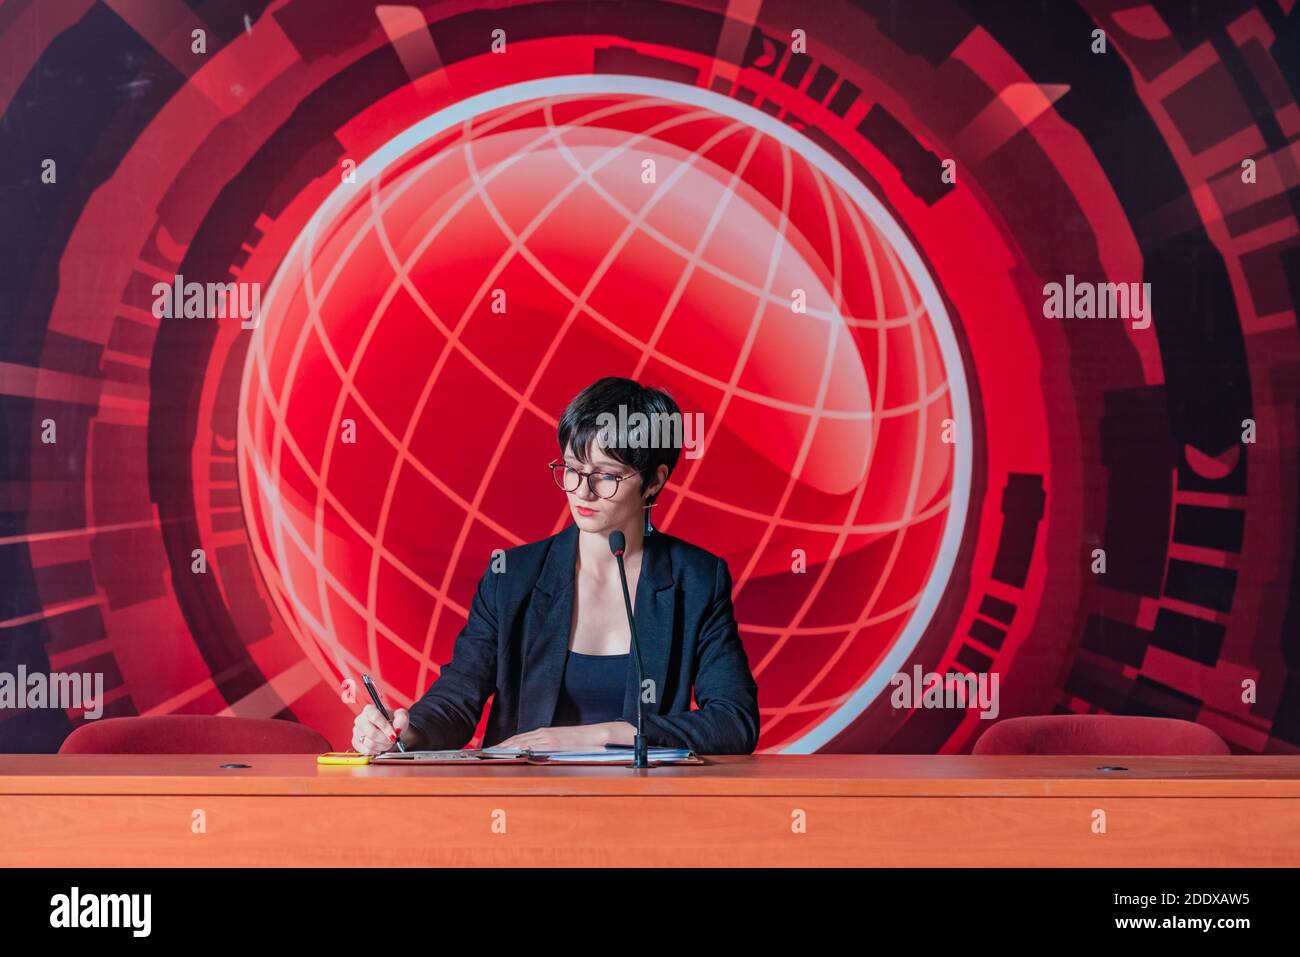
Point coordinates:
pixel 893 810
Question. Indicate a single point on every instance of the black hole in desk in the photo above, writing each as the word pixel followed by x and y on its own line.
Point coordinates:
pixel 1111 767
pixel 236 765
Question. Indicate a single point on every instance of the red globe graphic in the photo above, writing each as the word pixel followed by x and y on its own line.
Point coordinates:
pixel 401 391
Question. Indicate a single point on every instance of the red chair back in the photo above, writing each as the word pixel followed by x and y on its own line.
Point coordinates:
pixel 193 734
pixel 1102 734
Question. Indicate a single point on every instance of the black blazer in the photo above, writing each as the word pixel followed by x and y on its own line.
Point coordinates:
pixel 516 639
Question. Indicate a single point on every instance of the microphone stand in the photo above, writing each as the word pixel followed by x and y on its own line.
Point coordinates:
pixel 640 756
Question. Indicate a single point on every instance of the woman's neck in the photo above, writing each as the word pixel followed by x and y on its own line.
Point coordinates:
pixel 595 557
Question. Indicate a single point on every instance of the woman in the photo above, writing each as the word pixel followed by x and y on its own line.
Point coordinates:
pixel 578 691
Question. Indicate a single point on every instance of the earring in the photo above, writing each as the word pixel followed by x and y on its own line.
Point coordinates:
pixel 649 528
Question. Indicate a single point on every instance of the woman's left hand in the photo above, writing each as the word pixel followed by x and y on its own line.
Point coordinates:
pixel 578 737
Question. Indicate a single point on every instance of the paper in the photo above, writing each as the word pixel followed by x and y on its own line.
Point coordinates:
pixel 615 756
pixel 497 755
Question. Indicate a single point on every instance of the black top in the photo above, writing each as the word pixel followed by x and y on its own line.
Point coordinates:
pixel 593 689
pixel 513 649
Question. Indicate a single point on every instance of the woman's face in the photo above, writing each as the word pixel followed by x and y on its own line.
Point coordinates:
pixel 603 515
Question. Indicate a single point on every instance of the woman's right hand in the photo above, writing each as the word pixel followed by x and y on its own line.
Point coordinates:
pixel 371 734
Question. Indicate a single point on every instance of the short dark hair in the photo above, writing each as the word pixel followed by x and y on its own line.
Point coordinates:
pixel 581 424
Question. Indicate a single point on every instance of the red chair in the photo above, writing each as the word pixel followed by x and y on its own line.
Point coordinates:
pixel 193 734
pixel 1101 734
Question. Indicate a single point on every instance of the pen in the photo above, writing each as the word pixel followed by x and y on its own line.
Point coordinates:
pixel 374 696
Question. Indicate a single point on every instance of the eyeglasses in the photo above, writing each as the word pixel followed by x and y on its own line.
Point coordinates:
pixel 602 484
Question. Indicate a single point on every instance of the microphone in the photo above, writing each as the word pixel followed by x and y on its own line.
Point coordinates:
pixel 618 545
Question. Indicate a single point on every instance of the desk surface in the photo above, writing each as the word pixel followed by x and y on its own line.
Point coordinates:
pixel 764 810
pixel 828 775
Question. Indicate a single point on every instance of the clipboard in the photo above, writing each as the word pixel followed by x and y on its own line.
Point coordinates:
pixel 486 757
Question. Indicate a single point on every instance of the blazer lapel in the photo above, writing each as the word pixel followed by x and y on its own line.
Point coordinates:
pixel 654 610
pixel 547 626
pixel 549 622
